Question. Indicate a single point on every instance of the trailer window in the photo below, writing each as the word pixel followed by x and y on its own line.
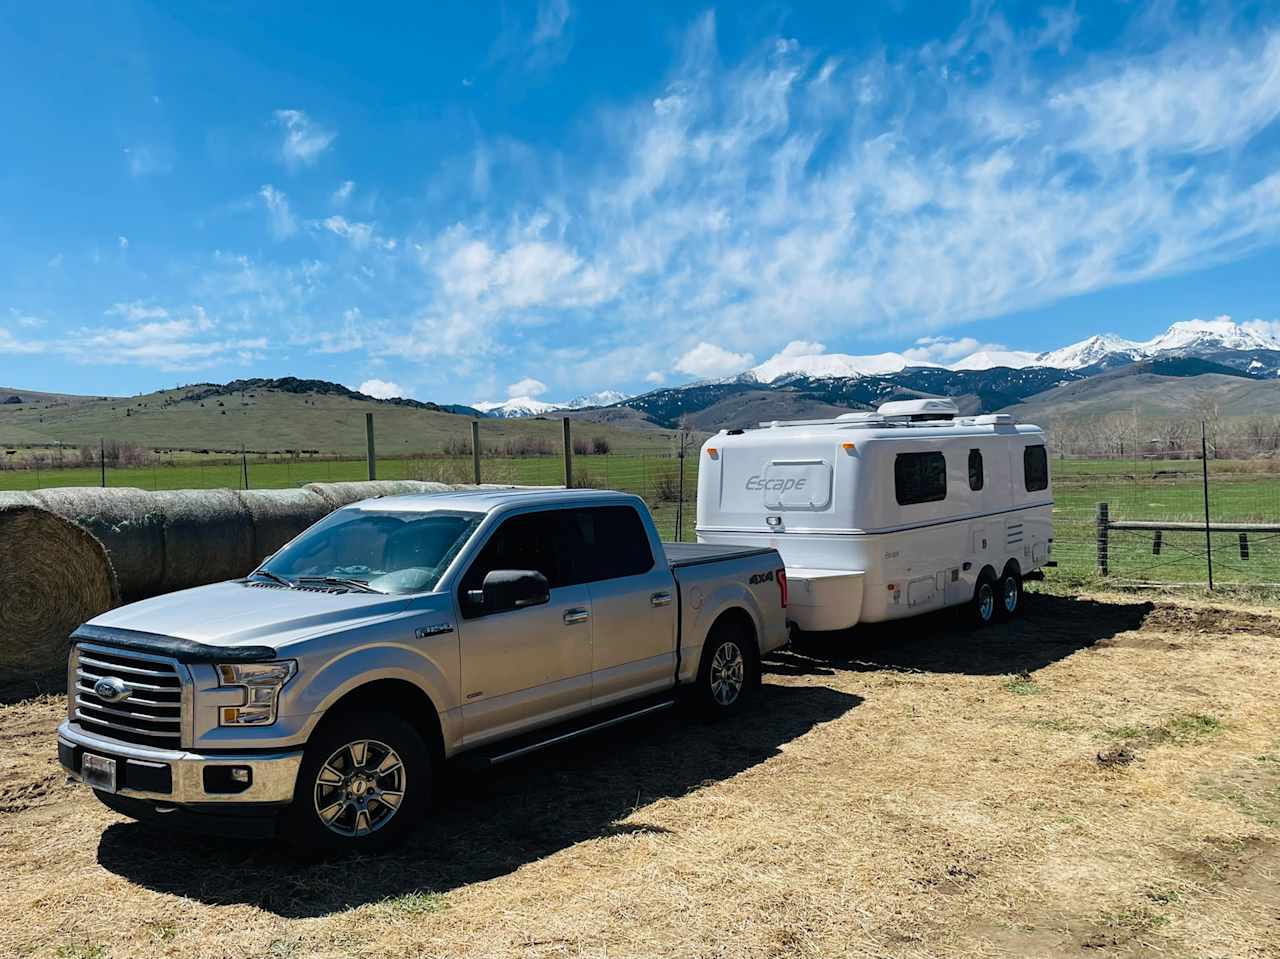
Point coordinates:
pixel 920 478
pixel 1035 468
pixel 975 470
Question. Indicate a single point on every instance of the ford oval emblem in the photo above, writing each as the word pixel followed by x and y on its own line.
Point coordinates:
pixel 111 689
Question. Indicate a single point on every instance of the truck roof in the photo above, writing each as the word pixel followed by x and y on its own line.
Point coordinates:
pixel 485 500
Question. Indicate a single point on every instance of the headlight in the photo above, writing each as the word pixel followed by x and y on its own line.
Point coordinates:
pixel 262 683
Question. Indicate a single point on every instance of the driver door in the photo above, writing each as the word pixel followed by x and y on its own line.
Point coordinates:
pixel 526 667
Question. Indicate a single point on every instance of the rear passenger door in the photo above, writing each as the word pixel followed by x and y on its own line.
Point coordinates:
pixel 526 667
pixel 633 605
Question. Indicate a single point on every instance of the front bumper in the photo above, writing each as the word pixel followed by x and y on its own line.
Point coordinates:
pixel 181 777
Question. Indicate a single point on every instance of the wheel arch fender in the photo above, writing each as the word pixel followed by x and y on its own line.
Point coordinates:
pixel 383 676
pixel 730 601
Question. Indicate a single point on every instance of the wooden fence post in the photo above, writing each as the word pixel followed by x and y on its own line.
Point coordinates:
pixel 568 455
pixel 1104 535
pixel 475 449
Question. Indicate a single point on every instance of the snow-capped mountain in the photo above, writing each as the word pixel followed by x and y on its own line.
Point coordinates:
pixel 601 398
pixel 516 406
pixel 528 406
pixel 1205 339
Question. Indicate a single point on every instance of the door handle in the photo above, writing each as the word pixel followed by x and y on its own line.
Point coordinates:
pixel 660 599
pixel 576 615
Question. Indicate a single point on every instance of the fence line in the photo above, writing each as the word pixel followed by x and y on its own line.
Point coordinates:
pixel 1157 527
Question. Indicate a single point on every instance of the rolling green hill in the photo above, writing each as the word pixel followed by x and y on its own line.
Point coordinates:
pixel 268 419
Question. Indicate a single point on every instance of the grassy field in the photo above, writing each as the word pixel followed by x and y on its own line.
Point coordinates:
pixel 1101 778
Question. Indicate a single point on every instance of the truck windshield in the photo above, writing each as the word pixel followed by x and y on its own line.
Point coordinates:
pixel 386 551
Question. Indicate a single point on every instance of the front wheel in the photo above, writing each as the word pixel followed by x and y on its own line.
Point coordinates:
pixel 729 672
pixel 364 782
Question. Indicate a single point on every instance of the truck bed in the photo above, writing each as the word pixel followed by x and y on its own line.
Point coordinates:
pixel 694 554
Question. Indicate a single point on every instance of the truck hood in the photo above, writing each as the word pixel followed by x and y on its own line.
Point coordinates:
pixel 238 614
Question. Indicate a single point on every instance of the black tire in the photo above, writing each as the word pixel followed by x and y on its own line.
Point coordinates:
pixel 363 779
pixel 729 673
pixel 982 608
pixel 1009 594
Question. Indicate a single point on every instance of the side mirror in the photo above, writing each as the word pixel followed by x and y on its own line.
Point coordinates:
pixel 506 589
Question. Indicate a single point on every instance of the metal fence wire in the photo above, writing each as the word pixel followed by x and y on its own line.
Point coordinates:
pixel 1137 517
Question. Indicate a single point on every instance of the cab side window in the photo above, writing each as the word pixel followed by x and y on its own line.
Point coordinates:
pixel 976 479
pixel 1035 468
pixel 521 542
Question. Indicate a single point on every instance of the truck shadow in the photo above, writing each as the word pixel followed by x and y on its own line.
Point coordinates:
pixel 1050 628
pixel 487 824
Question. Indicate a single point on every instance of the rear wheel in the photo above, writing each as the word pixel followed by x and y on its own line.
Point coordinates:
pixel 1010 594
pixel 729 673
pixel 982 609
pixel 365 781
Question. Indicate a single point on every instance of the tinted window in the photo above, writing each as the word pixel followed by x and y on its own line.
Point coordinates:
pixel 567 546
pixel 920 478
pixel 1035 468
pixel 975 470
pixel 521 542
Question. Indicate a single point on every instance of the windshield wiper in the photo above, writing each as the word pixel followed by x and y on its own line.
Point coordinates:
pixel 273 577
pixel 358 585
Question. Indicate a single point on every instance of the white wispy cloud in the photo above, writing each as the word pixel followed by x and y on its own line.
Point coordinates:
pixel 946 349
pixel 146 159
pixel 304 139
pixel 526 387
pixel 280 216
pixel 158 338
pixel 707 359
pixel 550 23
pixel 757 201
pixel 343 193
pixel 381 389
pixel 359 235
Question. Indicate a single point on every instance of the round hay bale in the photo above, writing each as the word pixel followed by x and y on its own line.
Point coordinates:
pixel 127 522
pixel 208 537
pixel 344 494
pixel 278 515
pixel 55 576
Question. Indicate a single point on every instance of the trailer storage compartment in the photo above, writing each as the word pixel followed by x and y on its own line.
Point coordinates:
pixel 824 599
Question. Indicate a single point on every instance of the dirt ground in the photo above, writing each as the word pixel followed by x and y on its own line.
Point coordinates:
pixel 1101 778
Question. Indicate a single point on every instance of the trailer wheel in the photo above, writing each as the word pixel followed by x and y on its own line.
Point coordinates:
pixel 365 781
pixel 982 609
pixel 729 673
pixel 1010 593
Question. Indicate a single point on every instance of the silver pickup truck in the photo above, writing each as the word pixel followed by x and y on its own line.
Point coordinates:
pixel 321 696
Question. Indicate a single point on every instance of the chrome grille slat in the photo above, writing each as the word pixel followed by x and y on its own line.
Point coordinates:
pixel 155 689
pixel 156 681
pixel 163 720
pixel 109 668
pixel 133 699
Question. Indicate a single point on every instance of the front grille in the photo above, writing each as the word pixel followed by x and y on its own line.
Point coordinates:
pixel 152 713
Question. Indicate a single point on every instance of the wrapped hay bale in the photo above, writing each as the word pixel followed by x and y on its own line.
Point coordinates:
pixel 129 525
pixel 208 537
pixel 278 515
pixel 344 494
pixel 54 576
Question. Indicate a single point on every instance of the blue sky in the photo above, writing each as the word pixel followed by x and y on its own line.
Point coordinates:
pixel 461 202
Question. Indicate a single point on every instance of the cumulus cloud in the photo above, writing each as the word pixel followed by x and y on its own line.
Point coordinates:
pixel 280 216
pixel 381 389
pixel 304 140
pixel 708 360
pixel 656 377
pixel 946 349
pixel 161 339
pixel 526 387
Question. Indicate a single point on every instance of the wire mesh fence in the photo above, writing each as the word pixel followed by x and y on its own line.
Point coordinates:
pixel 1156 528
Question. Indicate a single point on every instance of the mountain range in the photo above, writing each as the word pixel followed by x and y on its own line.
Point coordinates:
pixel 1189 357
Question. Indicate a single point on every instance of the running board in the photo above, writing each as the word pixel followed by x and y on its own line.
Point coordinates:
pixel 501 755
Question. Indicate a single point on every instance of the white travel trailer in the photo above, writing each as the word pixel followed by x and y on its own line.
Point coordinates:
pixel 888 514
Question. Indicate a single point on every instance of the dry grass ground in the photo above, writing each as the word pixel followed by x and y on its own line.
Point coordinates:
pixel 1101 779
